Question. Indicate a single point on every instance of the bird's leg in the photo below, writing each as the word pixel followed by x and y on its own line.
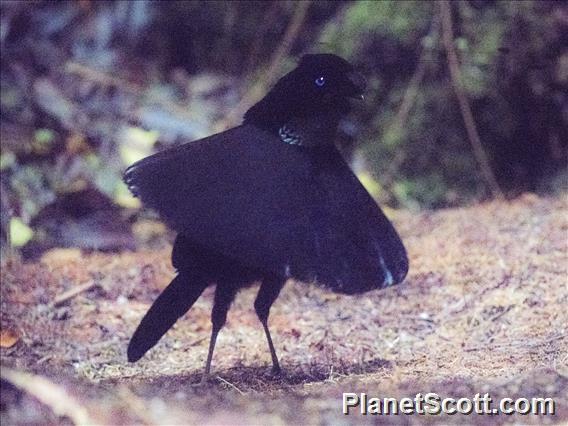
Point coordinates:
pixel 224 295
pixel 269 291
pixel 212 342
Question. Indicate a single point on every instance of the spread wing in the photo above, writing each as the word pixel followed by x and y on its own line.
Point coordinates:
pixel 275 207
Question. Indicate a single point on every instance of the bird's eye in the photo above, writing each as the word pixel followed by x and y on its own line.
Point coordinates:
pixel 320 81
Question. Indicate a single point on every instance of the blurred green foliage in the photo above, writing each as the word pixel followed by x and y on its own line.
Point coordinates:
pixel 512 70
pixel 88 87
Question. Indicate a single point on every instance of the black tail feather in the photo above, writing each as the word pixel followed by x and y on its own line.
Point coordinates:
pixel 174 301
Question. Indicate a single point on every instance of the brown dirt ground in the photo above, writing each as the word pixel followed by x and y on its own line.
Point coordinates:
pixel 484 309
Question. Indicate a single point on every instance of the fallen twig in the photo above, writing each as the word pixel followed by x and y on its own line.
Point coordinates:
pixel 71 293
pixel 230 385
pixel 500 314
pixel 50 394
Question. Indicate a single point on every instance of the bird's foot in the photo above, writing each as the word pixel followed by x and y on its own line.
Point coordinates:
pixel 204 379
pixel 203 382
pixel 276 371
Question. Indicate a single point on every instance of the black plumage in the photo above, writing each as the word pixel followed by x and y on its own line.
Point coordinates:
pixel 266 201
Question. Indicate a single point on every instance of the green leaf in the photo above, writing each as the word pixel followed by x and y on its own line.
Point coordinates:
pixel 137 144
pixel 20 233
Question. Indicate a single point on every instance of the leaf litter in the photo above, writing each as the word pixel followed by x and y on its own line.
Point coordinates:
pixel 482 310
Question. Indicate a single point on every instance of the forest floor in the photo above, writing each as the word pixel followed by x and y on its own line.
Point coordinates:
pixel 484 309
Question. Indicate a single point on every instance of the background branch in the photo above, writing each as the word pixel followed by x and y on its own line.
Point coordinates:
pixel 469 121
pixel 261 86
pixel 408 100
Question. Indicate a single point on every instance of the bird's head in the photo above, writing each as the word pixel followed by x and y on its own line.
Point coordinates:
pixel 323 79
pixel 320 86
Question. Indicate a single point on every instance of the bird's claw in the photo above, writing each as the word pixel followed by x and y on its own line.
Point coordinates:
pixel 203 382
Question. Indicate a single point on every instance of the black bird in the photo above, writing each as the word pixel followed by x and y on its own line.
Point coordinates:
pixel 269 200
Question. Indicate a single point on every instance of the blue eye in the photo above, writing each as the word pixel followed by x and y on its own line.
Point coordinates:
pixel 320 81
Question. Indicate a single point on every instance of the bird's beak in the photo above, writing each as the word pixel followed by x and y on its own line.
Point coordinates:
pixel 357 85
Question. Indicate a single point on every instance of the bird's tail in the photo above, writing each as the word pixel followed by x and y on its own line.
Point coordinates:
pixel 174 301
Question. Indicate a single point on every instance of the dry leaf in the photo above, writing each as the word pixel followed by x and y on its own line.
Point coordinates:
pixel 8 338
